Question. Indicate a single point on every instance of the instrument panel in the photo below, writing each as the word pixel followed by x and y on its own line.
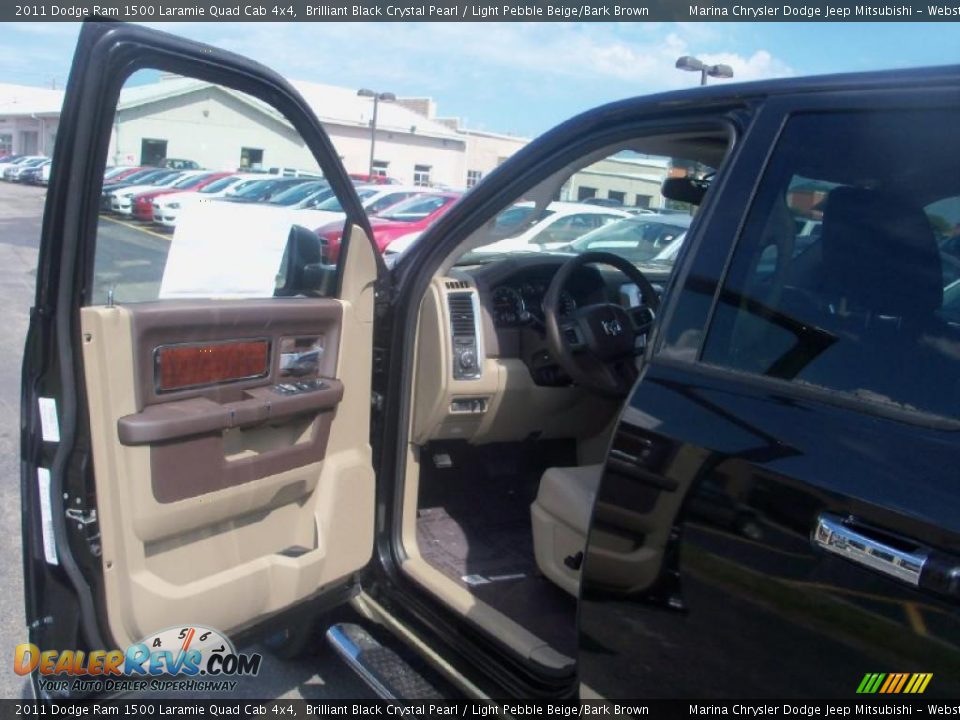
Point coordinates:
pixel 518 303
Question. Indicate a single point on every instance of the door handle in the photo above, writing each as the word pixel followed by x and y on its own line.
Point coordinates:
pixel 832 535
pixel 923 568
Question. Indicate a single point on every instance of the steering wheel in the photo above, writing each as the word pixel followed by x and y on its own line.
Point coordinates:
pixel 597 345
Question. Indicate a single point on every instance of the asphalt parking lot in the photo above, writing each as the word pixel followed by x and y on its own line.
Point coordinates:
pixel 130 246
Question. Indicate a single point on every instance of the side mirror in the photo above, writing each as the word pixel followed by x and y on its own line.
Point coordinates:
pixel 685 189
pixel 302 271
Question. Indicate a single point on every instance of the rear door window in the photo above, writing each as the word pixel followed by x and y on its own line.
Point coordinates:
pixel 842 279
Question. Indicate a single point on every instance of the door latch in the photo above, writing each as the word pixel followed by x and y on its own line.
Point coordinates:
pixel 80 517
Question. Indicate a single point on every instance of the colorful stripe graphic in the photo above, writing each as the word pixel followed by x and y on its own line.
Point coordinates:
pixel 894 683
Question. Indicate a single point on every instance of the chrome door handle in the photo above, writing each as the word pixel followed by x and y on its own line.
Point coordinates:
pixel 832 535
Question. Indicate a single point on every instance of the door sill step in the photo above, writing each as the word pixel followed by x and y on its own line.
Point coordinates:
pixel 387 674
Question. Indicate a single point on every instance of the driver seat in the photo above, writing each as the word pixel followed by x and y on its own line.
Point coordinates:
pixel 561 517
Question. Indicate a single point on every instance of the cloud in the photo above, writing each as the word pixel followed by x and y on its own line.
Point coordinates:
pixel 519 77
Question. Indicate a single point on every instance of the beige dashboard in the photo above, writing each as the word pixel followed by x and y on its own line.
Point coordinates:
pixel 499 402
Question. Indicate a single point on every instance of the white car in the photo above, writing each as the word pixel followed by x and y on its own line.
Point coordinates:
pixel 121 201
pixel 17 159
pixel 166 208
pixel 45 174
pixel 13 170
pixel 375 198
pixel 558 226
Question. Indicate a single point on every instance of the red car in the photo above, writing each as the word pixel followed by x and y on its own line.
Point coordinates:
pixel 408 217
pixel 372 179
pixel 143 203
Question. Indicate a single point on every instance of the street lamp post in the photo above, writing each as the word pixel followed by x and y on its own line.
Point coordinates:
pixel 688 62
pixel 378 97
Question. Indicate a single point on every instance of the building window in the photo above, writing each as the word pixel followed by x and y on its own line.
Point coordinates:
pixel 380 168
pixel 584 193
pixel 6 144
pixel 421 175
pixel 251 158
pixel 617 196
pixel 473 177
pixel 152 152
pixel 643 201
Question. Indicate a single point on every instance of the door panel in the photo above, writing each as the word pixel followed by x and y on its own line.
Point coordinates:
pixel 223 502
pixel 190 480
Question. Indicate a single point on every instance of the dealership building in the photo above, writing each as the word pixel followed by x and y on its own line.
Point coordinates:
pixel 176 117
pixel 223 129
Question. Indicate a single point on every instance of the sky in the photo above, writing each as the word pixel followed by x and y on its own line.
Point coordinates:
pixel 520 78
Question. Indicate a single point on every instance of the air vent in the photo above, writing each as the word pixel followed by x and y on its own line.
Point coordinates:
pixel 463 327
pixel 461 314
pixel 457 285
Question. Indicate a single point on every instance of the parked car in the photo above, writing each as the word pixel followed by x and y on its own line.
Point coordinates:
pixel 403 222
pixel 143 179
pixel 374 198
pixel 367 179
pixel 121 199
pixel 45 173
pixel 143 202
pixel 31 175
pixel 263 189
pixel 294 172
pixel 301 195
pixel 10 160
pixel 166 208
pixel 638 238
pixel 12 172
pixel 559 225
pixel 180 164
pixel 119 172
pixel 531 473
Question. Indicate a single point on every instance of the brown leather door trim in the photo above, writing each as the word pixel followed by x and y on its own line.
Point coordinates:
pixel 196 466
pixel 197 416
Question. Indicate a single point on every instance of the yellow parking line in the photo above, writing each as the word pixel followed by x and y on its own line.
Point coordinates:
pixel 915 617
pixel 135 227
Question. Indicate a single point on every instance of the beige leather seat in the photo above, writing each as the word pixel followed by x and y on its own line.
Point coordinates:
pixel 561 517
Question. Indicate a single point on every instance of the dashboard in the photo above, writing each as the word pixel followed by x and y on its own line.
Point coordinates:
pixel 484 369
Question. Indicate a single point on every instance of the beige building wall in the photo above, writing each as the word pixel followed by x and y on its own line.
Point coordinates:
pixel 209 126
pixel 639 179
pixel 402 152
pixel 485 151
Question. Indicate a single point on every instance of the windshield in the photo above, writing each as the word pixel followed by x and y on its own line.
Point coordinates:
pixel 613 204
pixel 189 181
pixel 332 203
pixel 138 175
pixel 255 189
pixel 293 195
pixel 169 179
pixel 218 185
pixel 415 208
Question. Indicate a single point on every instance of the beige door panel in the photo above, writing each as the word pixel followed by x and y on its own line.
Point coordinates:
pixel 223 503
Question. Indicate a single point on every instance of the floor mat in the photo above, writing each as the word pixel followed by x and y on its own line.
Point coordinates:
pixel 491 553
